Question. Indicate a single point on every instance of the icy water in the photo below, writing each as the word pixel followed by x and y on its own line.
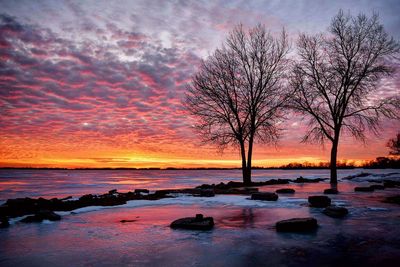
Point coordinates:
pixel 244 234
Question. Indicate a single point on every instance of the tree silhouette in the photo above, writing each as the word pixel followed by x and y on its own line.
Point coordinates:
pixel 237 96
pixel 336 76
pixel 394 145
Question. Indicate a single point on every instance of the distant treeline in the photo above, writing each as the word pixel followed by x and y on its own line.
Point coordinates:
pixel 378 163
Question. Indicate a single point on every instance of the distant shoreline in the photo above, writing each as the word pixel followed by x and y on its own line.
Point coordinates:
pixel 174 169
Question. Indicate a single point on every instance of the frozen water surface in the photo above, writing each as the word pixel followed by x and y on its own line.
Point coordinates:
pixel 244 234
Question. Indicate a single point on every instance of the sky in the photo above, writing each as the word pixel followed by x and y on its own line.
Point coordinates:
pixel 101 83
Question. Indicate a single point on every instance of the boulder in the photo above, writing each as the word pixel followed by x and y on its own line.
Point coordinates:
pixel 42 215
pixel 207 193
pixel 363 189
pixel 377 187
pixel 138 191
pixel 264 196
pixel 4 222
pixel 331 191
pixel 285 191
pixel 297 225
pixel 392 199
pixel 194 223
pixel 319 201
pixel 335 211
pixel 113 191
pixel 301 179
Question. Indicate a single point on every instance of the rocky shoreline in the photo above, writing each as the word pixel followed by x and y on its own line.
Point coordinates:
pixel 37 210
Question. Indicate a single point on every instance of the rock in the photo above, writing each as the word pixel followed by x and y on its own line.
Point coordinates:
pixel 363 174
pixel 319 201
pixel 207 193
pixel 285 191
pixel 393 199
pixel 306 180
pixel 331 191
pixel 138 191
pixel 377 187
pixel 4 222
pixel 335 211
pixel 194 223
pixel 111 192
pixel 297 225
pixel 264 196
pixel 126 221
pixel 390 183
pixel 363 189
pixel 42 215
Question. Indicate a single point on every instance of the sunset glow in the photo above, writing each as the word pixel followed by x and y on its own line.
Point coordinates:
pixel 101 85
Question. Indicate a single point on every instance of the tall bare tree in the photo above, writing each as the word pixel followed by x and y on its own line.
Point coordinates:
pixel 237 96
pixel 337 76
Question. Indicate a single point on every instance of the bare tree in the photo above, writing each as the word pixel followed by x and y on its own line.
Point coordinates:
pixel 394 145
pixel 336 77
pixel 237 96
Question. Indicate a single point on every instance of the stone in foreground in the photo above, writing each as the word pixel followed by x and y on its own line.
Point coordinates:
pixel 363 189
pixel 194 223
pixel 319 201
pixel 297 225
pixel 335 211
pixel 264 196
pixel 331 191
pixel 285 191
pixel 42 215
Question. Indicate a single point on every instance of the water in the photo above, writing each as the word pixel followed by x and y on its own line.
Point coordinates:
pixel 244 234
pixel 62 183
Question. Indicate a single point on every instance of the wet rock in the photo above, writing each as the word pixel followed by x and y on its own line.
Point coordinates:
pixel 87 197
pixel 139 191
pixel 264 196
pixel 377 187
pixel 392 199
pixel 285 191
pixel 207 193
pixel 42 215
pixel 335 211
pixel 363 189
pixel 319 201
pixel 297 225
pixel 306 180
pixel 390 183
pixel 194 223
pixel 111 192
pixel 126 221
pixel 331 191
pixel 4 222
pixel 351 177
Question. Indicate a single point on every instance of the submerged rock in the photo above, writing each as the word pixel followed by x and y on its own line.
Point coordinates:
pixel 207 193
pixel 285 191
pixel 393 199
pixel 335 211
pixel 264 196
pixel 363 189
pixel 331 191
pixel 301 179
pixel 4 222
pixel 297 225
pixel 390 183
pixel 377 187
pixel 42 215
pixel 194 223
pixel 319 201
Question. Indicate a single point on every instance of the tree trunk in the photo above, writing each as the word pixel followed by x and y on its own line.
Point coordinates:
pixel 249 157
pixel 333 166
pixel 246 177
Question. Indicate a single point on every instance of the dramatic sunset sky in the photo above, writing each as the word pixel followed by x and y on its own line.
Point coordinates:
pixel 100 83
